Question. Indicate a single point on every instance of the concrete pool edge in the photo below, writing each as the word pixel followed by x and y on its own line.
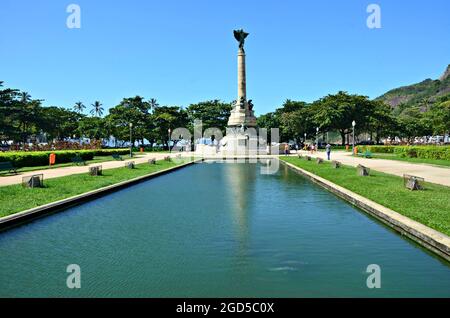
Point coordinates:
pixel 427 237
pixel 42 210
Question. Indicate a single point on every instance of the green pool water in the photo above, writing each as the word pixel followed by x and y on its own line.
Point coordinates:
pixel 216 230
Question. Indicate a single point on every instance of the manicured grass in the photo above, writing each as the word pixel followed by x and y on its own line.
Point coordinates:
pixel 15 198
pixel 430 206
pixel 437 162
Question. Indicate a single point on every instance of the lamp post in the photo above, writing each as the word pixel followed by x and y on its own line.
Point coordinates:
pixel 131 145
pixel 353 125
pixel 317 137
pixel 168 143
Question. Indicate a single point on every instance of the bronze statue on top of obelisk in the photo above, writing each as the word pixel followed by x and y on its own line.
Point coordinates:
pixel 240 36
pixel 242 115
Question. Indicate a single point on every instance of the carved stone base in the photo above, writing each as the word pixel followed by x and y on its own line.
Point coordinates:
pixel 239 117
pixel 240 143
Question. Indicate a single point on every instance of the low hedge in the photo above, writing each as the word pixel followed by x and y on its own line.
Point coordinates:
pixel 41 158
pixel 381 149
pixel 432 152
pixel 422 152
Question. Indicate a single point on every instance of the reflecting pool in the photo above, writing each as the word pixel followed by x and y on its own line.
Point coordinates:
pixel 216 230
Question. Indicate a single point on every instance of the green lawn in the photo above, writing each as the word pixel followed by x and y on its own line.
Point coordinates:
pixel 444 163
pixel 430 206
pixel 15 198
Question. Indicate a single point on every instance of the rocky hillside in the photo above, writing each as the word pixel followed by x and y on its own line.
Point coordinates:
pixel 422 94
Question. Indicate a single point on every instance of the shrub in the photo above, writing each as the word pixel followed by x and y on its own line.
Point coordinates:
pixel 422 152
pixel 109 152
pixel 41 158
pixel 381 149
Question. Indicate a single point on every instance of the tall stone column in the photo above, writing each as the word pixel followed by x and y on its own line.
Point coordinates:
pixel 242 87
pixel 242 113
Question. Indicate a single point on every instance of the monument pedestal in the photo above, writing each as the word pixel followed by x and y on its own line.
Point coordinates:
pixel 237 142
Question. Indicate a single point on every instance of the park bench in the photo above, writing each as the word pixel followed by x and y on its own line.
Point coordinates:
pixel 7 166
pixel 117 157
pixel 77 160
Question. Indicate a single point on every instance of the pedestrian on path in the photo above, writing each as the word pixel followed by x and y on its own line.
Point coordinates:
pixel 328 149
pixel 286 149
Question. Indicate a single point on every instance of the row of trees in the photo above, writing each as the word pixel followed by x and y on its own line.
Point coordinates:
pixel 335 113
pixel 22 117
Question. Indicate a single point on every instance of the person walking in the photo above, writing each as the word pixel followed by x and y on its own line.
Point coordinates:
pixel 328 150
pixel 286 149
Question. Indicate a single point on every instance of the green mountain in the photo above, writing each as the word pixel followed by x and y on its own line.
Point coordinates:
pixel 422 94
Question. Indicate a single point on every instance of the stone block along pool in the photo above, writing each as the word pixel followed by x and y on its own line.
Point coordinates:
pixel 216 230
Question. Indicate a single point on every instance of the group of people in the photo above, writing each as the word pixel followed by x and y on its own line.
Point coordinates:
pixel 309 147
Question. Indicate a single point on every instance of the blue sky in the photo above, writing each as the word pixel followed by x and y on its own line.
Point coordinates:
pixel 183 51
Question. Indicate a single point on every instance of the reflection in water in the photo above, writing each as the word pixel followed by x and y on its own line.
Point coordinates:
pixel 240 183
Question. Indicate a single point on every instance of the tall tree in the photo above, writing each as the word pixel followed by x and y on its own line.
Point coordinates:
pixel 165 118
pixel 24 97
pixel 135 111
pixel 59 122
pixel 381 122
pixel 79 107
pixel 336 112
pixel 153 103
pixel 439 117
pixel 268 121
pixel 93 128
pixel 212 113
pixel 97 109
pixel 412 123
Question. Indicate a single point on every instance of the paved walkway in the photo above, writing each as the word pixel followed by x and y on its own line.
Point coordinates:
pixel 65 171
pixel 429 173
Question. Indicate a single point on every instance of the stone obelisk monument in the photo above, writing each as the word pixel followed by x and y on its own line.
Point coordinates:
pixel 242 115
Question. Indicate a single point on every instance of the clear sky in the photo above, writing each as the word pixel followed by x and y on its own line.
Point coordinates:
pixel 183 51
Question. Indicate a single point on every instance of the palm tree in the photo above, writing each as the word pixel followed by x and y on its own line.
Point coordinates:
pixel 97 109
pixel 153 103
pixel 79 107
pixel 425 101
pixel 25 97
